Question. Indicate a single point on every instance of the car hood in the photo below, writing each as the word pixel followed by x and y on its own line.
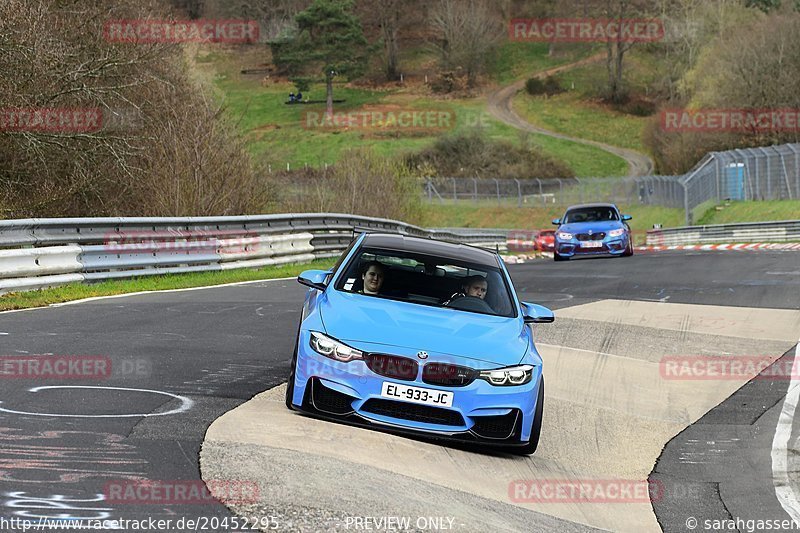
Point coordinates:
pixel 582 227
pixel 358 318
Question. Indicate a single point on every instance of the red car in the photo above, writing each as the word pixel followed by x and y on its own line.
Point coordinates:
pixel 545 241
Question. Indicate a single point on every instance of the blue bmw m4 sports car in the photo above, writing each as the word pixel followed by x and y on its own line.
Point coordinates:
pixel 416 335
pixel 592 229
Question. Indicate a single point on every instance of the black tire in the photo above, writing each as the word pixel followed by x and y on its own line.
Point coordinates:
pixel 536 429
pixel 559 257
pixel 629 250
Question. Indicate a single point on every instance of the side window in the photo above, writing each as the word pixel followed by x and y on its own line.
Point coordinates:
pixel 341 259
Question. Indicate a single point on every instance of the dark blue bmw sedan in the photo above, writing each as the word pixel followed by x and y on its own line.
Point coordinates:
pixel 592 229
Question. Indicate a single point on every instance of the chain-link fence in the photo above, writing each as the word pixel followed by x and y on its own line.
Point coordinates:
pixel 661 190
pixel 767 173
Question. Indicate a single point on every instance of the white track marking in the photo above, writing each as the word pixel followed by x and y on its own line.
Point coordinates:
pixel 186 403
pixel 780 445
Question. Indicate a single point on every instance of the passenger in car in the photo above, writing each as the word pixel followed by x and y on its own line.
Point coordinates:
pixel 372 274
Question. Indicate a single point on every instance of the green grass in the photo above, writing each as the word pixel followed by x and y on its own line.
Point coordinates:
pixel 517 60
pixel 77 291
pixel 277 136
pixel 765 211
pixel 466 215
pixel 570 113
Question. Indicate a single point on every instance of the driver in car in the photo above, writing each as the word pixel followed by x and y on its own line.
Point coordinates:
pixel 475 286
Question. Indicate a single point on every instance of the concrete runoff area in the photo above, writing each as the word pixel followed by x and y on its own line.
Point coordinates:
pixel 609 412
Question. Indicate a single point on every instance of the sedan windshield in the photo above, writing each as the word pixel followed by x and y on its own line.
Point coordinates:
pixel 590 214
pixel 428 280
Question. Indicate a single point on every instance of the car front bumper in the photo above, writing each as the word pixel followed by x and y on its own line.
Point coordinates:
pixel 609 246
pixel 351 392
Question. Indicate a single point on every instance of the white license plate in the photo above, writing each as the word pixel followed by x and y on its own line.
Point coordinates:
pixel 417 394
pixel 592 244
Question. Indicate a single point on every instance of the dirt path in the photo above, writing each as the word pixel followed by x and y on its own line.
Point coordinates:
pixel 500 106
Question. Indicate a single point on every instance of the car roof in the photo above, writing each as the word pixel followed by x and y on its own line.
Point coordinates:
pixel 446 250
pixel 599 204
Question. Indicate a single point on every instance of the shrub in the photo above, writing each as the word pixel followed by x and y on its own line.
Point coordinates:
pixel 473 154
pixel 549 86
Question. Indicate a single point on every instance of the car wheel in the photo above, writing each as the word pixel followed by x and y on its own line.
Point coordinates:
pixel 536 428
pixel 559 257
pixel 629 250
pixel 290 383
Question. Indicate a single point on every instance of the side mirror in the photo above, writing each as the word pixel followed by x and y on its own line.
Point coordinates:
pixel 537 314
pixel 556 221
pixel 626 217
pixel 314 279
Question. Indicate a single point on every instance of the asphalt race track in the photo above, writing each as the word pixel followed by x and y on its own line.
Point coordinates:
pixel 714 449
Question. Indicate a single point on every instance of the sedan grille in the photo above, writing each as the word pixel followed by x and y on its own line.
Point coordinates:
pixel 414 412
pixel 448 375
pixel 593 237
pixel 392 366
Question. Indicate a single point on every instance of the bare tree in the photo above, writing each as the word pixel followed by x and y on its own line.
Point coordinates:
pixel 156 126
pixel 467 32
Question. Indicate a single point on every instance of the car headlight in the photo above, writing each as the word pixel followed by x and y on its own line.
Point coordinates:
pixel 510 376
pixel 616 232
pixel 564 235
pixel 333 349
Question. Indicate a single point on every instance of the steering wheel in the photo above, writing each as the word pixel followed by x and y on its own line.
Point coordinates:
pixel 471 303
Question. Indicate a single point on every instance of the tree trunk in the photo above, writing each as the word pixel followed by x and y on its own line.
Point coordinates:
pixel 390 36
pixel 329 88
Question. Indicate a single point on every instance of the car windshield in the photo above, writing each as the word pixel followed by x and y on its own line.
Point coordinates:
pixel 590 214
pixel 428 280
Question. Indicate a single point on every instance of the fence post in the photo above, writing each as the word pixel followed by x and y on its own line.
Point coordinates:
pixel 475 190
pixel 519 193
pixel 455 196
pixel 687 211
pixel 497 184
pixel 796 170
pixel 769 174
pixel 541 192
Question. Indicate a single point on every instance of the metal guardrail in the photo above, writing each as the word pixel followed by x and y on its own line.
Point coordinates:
pixel 779 231
pixel 37 253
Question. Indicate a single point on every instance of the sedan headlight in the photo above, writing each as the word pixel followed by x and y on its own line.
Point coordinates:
pixel 510 376
pixel 616 232
pixel 564 235
pixel 333 349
